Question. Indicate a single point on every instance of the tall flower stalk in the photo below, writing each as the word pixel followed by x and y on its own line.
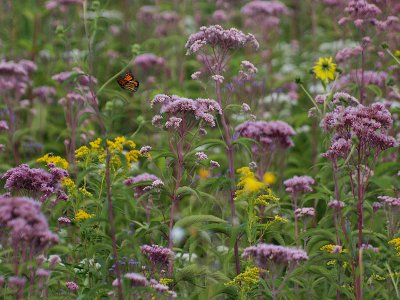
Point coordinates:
pixel 184 115
pixel 361 134
pixel 214 45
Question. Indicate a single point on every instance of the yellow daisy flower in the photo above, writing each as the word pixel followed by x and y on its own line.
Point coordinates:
pixel 325 69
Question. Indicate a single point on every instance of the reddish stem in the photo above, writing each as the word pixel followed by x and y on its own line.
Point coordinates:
pixel 175 202
pixel 229 152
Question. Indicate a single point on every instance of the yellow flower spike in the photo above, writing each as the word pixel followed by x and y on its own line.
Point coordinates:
pixel 166 281
pixel 269 178
pixel 246 280
pixel 85 192
pixel 331 262
pixel 396 244
pixel 280 219
pixel 96 144
pixel 252 185
pixel 132 156
pixel 82 215
pixel 81 152
pixel 330 248
pixel 68 183
pixel 325 69
pixel 131 144
pixel 58 161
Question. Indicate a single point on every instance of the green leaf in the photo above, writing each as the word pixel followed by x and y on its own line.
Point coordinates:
pixel 190 220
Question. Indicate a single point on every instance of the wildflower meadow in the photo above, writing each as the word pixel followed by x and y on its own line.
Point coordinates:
pixel 199 149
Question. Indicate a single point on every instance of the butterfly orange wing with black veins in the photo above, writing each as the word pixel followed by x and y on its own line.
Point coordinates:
pixel 128 82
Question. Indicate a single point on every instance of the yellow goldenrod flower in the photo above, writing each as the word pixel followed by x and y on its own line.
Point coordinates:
pixel 377 277
pixel 330 248
pixel 68 183
pixel 132 156
pixel 248 183
pixel 82 215
pixel 331 262
pixel 396 244
pixel 280 219
pixel 117 145
pixel 166 281
pixel 203 173
pixel 269 178
pixel 85 192
pixel 246 280
pixel 58 161
pixel 325 69
pixel 131 144
pixel 96 144
pixel 263 199
pixel 115 162
pixel 252 185
pixel 81 152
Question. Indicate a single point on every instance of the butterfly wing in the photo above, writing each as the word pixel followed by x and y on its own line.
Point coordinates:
pixel 128 82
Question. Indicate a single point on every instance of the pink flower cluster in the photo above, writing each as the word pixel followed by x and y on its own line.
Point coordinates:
pixel 62 5
pixel 76 73
pixel 179 109
pixel 304 212
pixel 72 286
pixel 4 125
pixel 264 14
pixel 136 279
pixel 257 7
pixel 340 97
pixel 390 201
pixel 299 184
pixel 148 61
pixel 24 226
pixel 348 53
pixel 216 36
pixel 273 135
pixel 16 75
pixel 370 77
pixel 157 254
pixel 247 70
pixel 36 182
pixel 44 93
pixel 265 254
pixel 336 204
pixel 362 13
pixel 141 183
pixel 368 123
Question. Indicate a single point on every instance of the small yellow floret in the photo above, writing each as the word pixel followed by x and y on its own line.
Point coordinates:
pixel 82 215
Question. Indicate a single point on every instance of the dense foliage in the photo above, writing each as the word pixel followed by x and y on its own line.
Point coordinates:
pixel 254 155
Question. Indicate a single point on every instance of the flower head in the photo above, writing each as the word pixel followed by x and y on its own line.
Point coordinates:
pixel 304 212
pixel 72 286
pixel 299 184
pixel 82 215
pixel 24 226
pixel 325 69
pixel 157 254
pixel 136 279
pixel 266 254
pixel 141 182
pixel 216 36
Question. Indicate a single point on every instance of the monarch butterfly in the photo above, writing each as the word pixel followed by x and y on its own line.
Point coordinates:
pixel 128 82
